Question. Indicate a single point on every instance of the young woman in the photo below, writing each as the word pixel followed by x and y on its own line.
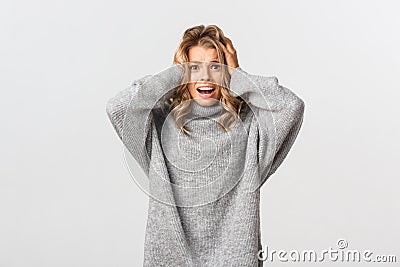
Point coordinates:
pixel 207 136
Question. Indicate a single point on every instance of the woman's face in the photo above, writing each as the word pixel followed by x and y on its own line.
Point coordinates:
pixel 205 75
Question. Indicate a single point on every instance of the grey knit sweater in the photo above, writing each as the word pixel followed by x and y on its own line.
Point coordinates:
pixel 205 188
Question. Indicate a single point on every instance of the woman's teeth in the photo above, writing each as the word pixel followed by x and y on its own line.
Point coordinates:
pixel 205 90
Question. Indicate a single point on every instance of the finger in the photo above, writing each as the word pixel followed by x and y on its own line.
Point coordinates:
pixel 221 43
pixel 229 45
pixel 228 41
pixel 224 48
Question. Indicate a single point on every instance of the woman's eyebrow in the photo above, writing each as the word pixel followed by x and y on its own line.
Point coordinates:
pixel 203 61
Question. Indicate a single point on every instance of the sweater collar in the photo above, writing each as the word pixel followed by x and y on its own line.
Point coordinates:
pixel 205 111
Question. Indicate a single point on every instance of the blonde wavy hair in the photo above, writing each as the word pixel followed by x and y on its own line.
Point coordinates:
pixel 178 100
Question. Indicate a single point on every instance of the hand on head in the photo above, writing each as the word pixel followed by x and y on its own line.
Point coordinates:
pixel 230 54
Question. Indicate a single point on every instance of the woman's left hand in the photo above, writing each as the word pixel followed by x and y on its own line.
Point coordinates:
pixel 230 55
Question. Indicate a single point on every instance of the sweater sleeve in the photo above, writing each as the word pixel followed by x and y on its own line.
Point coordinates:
pixel 130 111
pixel 279 114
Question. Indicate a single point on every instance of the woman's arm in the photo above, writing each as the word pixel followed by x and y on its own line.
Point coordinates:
pixel 279 113
pixel 130 111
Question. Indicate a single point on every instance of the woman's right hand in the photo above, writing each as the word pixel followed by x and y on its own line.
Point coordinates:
pixel 230 54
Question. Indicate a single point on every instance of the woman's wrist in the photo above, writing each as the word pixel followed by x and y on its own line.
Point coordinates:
pixel 231 69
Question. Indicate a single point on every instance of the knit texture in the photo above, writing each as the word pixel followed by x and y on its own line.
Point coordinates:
pixel 205 188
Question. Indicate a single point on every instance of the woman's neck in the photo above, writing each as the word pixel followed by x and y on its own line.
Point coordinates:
pixel 206 111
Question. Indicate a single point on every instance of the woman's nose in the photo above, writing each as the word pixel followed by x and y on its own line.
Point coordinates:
pixel 205 75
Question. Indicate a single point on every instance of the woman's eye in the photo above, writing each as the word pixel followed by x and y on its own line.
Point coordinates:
pixel 215 66
pixel 193 67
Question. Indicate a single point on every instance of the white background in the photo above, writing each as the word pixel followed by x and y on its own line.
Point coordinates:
pixel 66 196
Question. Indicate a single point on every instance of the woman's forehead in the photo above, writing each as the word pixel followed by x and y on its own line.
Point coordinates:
pixel 200 53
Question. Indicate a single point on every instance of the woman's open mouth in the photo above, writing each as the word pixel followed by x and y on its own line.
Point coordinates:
pixel 206 91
